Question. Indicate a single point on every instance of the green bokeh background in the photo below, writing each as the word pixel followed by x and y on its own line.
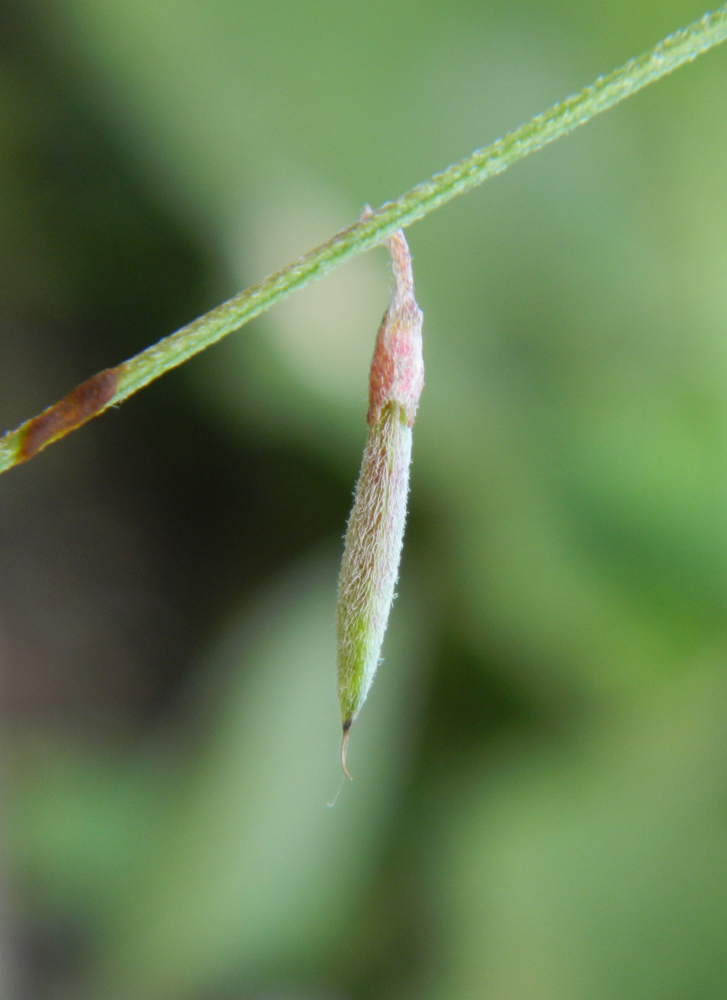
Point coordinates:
pixel 539 809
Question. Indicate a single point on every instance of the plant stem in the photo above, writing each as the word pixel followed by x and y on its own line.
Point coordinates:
pixel 115 385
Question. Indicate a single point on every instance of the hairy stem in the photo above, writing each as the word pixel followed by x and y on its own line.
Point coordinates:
pixel 116 384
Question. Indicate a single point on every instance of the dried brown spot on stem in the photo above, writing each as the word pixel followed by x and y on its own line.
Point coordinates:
pixel 86 401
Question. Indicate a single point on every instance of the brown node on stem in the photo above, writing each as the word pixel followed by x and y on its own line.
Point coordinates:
pixel 86 401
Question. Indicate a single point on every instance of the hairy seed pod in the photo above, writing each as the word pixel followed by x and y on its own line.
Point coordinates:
pixel 376 526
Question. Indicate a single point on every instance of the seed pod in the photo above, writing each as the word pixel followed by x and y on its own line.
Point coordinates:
pixel 376 526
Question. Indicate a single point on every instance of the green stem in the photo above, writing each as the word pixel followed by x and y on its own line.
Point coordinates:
pixel 117 384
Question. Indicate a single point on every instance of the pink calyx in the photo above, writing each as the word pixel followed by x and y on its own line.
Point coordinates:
pixel 397 369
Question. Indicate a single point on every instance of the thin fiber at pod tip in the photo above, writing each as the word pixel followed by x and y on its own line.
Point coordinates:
pixel 375 532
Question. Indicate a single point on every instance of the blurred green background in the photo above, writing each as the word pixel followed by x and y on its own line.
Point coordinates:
pixel 539 809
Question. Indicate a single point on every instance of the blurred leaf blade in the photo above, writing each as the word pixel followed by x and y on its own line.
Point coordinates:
pixel 253 857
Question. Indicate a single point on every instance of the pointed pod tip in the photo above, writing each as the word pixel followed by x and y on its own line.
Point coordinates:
pixel 344 745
